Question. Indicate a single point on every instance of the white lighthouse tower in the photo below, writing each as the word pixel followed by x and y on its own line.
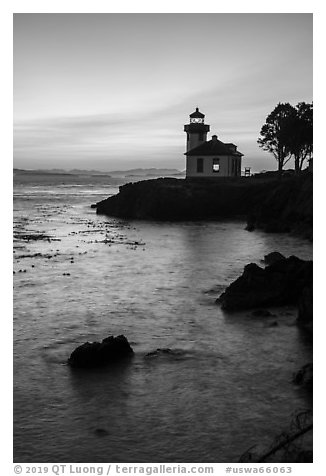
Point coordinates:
pixel 196 130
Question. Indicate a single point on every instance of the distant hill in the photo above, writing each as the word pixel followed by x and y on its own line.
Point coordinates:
pixel 152 172
pixel 139 172
pixel 41 172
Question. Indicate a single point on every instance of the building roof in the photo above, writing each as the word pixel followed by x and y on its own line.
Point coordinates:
pixel 230 143
pixel 197 114
pixel 214 147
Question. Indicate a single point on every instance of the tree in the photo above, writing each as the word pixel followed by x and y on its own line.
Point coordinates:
pixel 275 133
pixel 301 134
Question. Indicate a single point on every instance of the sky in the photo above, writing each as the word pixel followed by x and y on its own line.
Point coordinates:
pixel 113 91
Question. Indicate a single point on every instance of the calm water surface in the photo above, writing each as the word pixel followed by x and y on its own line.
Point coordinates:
pixel 227 384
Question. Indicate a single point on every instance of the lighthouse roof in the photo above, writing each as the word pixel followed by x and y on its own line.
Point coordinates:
pixel 214 147
pixel 197 113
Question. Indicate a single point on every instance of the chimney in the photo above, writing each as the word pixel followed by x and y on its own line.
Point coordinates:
pixel 214 137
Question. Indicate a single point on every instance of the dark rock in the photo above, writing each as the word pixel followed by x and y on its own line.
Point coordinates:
pixel 250 225
pixel 176 354
pixel 279 284
pixel 287 207
pixel 305 307
pixel 111 349
pixel 158 352
pixel 304 456
pixel 262 313
pixel 273 324
pixel 273 257
pixel 304 376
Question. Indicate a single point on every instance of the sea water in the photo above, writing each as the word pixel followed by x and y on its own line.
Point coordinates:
pixel 226 383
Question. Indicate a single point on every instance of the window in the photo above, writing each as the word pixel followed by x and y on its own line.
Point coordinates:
pixel 187 136
pixel 216 166
pixel 200 166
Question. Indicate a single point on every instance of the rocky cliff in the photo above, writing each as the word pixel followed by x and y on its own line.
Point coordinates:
pixel 273 205
pixel 287 206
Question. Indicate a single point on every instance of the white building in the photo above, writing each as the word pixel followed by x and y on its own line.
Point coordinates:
pixel 209 158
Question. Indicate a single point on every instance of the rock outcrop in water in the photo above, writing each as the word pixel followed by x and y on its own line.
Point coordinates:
pixel 273 205
pixel 166 352
pixel 96 354
pixel 273 257
pixel 280 283
pixel 305 308
pixel 304 377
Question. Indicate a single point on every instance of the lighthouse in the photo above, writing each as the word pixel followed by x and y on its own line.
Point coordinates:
pixel 209 159
pixel 196 129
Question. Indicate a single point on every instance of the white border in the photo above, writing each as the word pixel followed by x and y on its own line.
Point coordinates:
pixel 168 6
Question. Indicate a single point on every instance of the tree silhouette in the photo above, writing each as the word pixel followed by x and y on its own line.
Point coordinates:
pixel 288 132
pixel 301 135
pixel 275 133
